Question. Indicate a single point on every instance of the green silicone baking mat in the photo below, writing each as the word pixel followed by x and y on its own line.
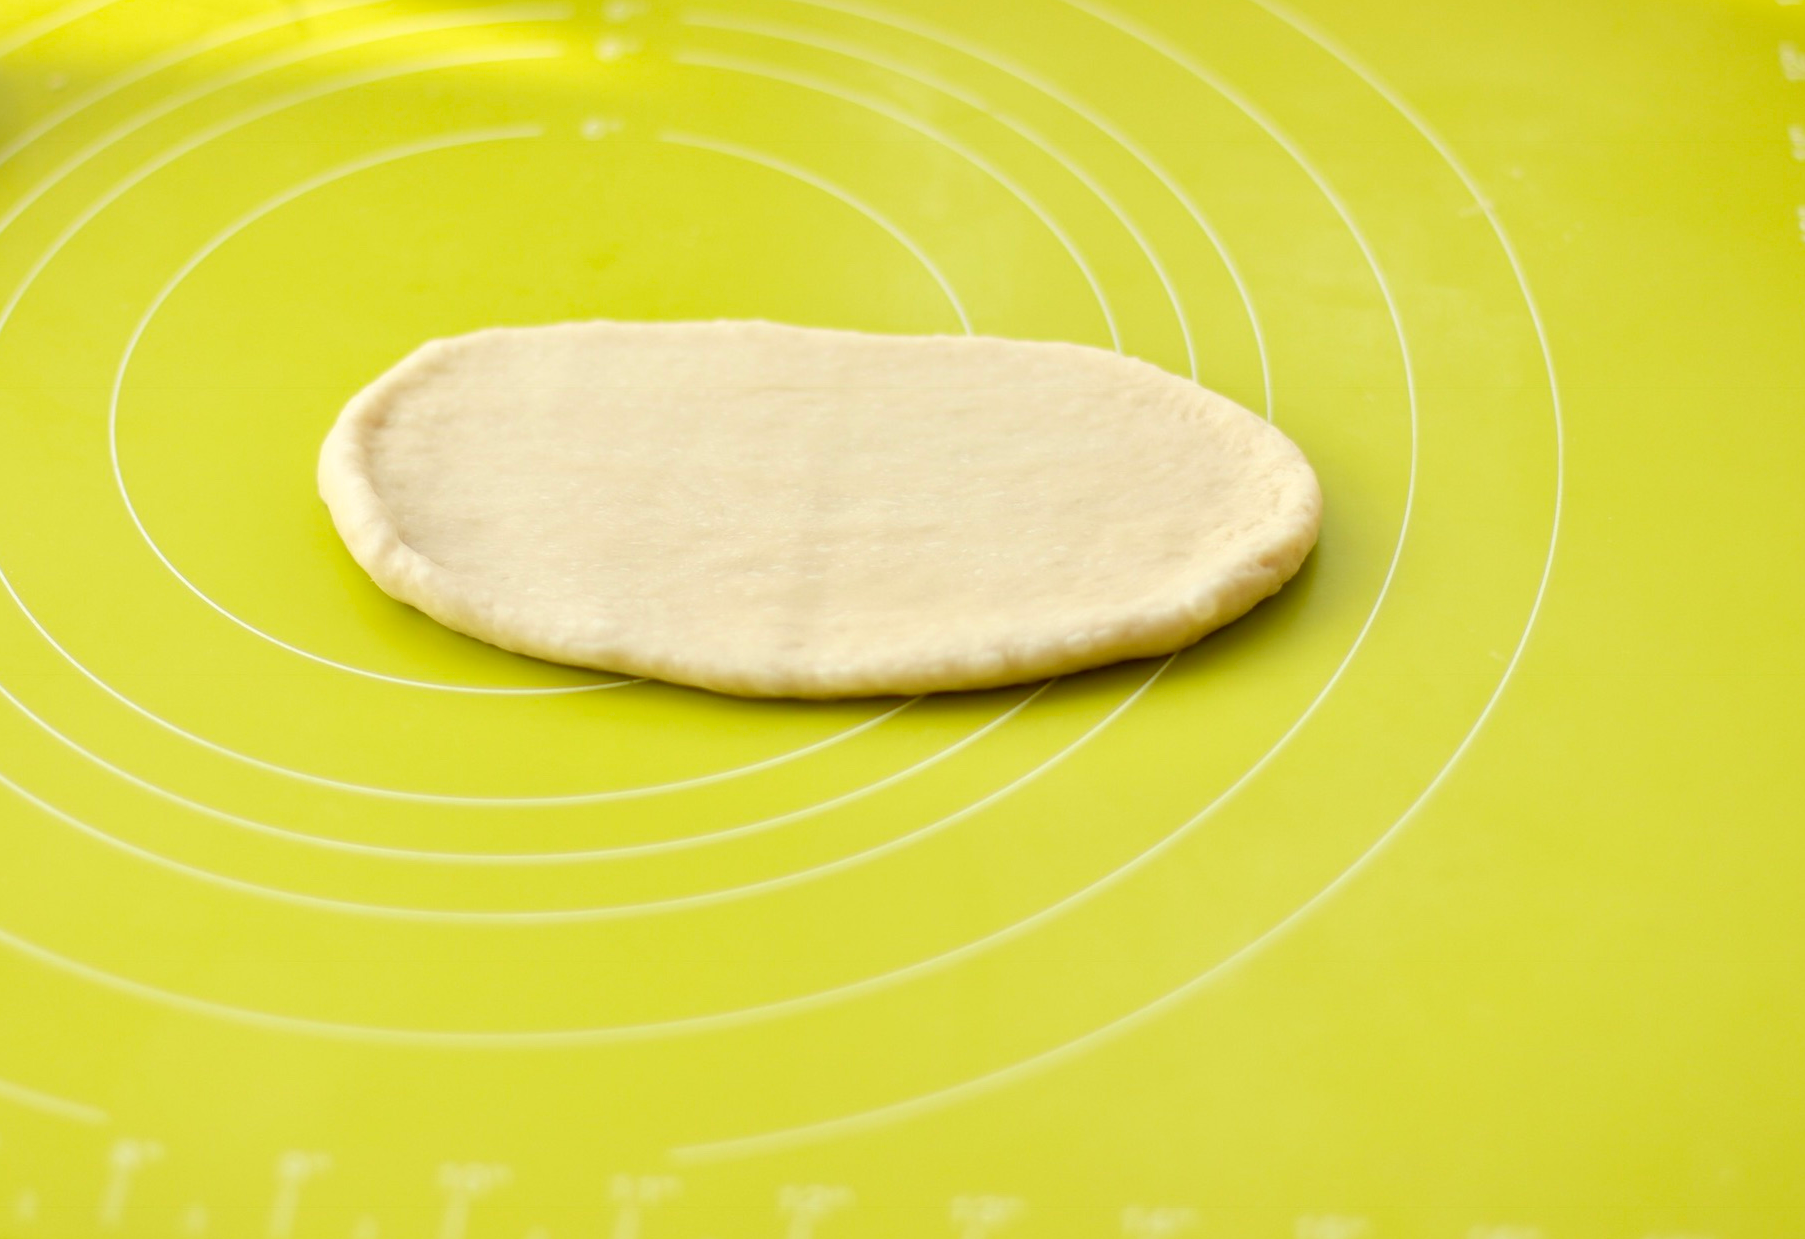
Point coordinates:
pixel 1454 892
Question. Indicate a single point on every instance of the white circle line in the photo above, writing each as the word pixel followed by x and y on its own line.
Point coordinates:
pixel 1016 69
pixel 1359 69
pixel 866 1120
pixel 800 37
pixel 617 910
pixel 628 793
pixel 504 1038
pixel 152 65
pixel 750 155
pixel 579 915
pixel 50 1103
pixel 756 68
pixel 280 60
pixel 508 858
pixel 32 31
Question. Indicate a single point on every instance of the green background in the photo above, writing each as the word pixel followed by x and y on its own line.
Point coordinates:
pixel 1454 892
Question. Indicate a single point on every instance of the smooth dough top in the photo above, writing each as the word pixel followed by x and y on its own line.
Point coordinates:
pixel 795 512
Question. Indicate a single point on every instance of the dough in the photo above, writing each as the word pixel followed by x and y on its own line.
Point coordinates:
pixel 795 512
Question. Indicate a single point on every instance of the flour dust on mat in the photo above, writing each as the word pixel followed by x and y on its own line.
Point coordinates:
pixel 795 512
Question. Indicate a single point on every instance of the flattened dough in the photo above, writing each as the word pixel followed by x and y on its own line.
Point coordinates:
pixel 794 512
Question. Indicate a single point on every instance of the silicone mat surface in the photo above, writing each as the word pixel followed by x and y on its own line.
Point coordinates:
pixel 1454 892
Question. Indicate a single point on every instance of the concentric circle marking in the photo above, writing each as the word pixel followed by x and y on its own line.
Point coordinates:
pixel 198 1007
pixel 387 793
pixel 280 60
pixel 150 66
pixel 649 907
pixel 680 843
pixel 50 1103
pixel 1112 716
pixel 878 1116
pixel 1411 388
pixel 611 912
pixel 31 32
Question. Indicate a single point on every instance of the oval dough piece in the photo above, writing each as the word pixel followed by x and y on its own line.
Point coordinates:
pixel 795 512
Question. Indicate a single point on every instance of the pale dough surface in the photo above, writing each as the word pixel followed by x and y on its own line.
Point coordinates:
pixel 784 511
